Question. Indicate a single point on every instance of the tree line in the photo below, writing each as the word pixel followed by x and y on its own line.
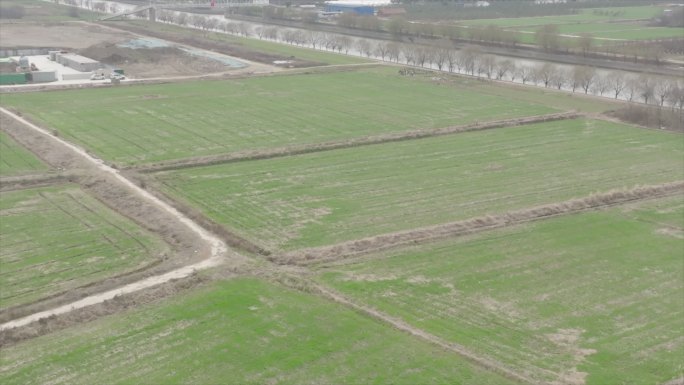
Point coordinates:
pixel 443 56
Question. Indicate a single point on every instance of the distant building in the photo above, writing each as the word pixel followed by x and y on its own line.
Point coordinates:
pixel 77 62
pixel 359 7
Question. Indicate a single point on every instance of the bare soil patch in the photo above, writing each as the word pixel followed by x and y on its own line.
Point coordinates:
pixel 671 232
pixel 73 35
pixel 568 339
pixel 152 62
pixel 189 38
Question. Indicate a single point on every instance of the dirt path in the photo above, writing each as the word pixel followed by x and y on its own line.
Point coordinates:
pixel 215 260
pixel 216 246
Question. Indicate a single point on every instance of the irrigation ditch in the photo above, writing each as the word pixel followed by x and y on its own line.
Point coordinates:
pixel 199 244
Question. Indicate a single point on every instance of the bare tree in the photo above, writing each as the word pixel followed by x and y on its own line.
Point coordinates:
pixel 422 55
pixel 211 24
pixel 345 43
pixel 451 59
pixel 585 42
pixel 289 36
pixel 398 26
pixel 487 64
pixel 181 18
pixel 616 81
pixel 299 37
pixel 600 85
pixel 381 50
pixel 271 33
pixel 503 67
pixel 364 47
pixel 314 38
pixel 393 51
pixel 244 29
pixel 409 53
pixel 197 21
pixel 513 72
pixel 646 88
pixel 441 53
pixel 559 79
pixel 662 90
pixel 165 16
pixel 631 88
pixel 677 96
pixel 543 73
pixel 547 37
pixel 583 77
pixel 468 58
pixel 524 73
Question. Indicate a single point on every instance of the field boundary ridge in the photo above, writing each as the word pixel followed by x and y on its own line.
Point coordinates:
pixel 350 143
pixel 468 226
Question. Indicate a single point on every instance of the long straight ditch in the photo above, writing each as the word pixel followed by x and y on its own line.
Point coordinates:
pixel 468 226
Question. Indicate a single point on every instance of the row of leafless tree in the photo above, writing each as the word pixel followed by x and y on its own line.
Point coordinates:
pixel 443 56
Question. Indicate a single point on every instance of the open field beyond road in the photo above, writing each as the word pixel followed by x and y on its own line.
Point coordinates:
pixel 326 198
pixel 58 238
pixel 598 292
pixel 140 124
pixel 247 45
pixel 585 16
pixel 14 159
pixel 43 11
pixel 608 32
pixel 240 331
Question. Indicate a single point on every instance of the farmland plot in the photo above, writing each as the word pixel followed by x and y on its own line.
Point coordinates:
pixel 585 16
pixel 598 292
pixel 242 331
pixel 58 238
pixel 16 160
pixel 614 31
pixel 330 197
pixel 158 122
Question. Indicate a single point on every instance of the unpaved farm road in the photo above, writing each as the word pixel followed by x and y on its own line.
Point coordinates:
pixel 218 247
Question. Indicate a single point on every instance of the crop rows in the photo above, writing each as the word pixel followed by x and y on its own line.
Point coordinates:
pixel 326 198
pixel 596 292
pixel 160 122
pixel 15 159
pixel 237 331
pixel 58 238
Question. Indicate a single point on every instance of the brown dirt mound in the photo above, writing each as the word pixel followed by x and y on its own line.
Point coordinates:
pixel 150 62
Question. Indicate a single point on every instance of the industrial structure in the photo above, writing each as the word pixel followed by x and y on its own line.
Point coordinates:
pixel 77 62
pixel 359 7
pixel 154 5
